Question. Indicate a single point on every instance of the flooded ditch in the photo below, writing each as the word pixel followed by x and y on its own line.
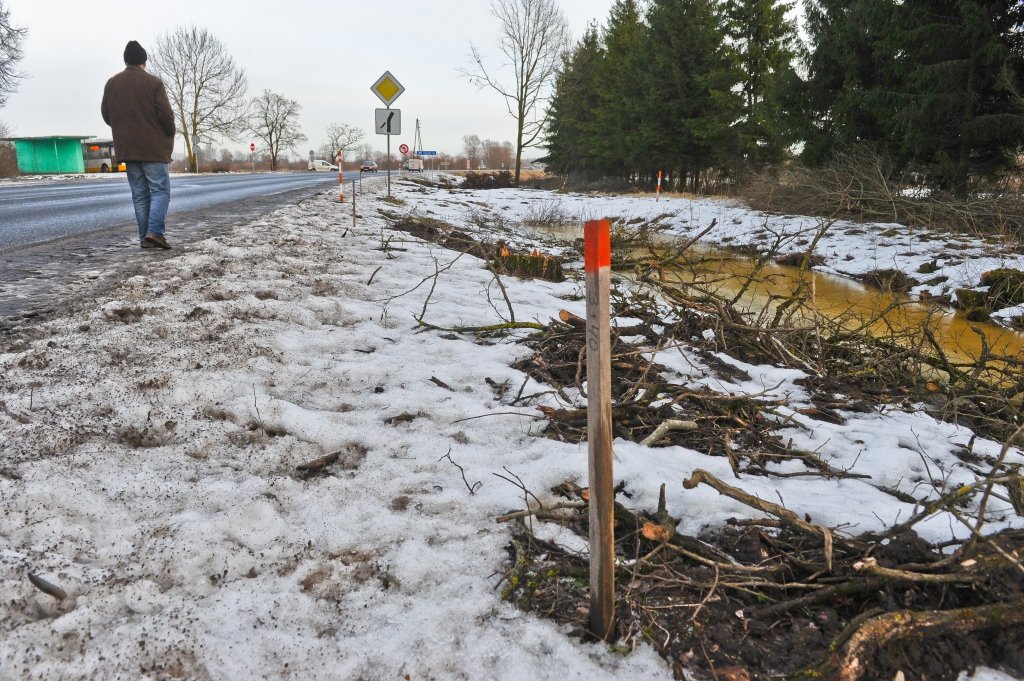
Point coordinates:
pixel 761 288
pixel 857 307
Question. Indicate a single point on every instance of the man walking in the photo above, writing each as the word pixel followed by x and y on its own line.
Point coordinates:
pixel 136 108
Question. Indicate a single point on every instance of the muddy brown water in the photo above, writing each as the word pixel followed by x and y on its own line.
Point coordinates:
pixel 880 313
pixel 883 314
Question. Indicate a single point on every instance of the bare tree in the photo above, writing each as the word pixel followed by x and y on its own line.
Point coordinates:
pixel 274 120
pixel 497 154
pixel 366 152
pixel 341 137
pixel 205 87
pixel 11 38
pixel 8 158
pixel 471 145
pixel 534 34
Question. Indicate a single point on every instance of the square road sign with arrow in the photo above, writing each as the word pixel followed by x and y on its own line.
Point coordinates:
pixel 388 121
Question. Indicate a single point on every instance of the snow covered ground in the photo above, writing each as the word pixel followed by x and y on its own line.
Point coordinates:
pixel 148 453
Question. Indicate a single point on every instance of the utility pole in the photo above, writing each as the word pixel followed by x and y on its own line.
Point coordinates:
pixel 417 142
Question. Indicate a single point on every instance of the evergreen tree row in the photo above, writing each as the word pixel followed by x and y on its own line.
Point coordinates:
pixel 698 88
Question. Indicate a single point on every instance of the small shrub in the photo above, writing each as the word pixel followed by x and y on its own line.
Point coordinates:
pixel 977 314
pixel 797 260
pixel 548 214
pixel 889 280
pixel 968 298
pixel 499 180
pixel 125 315
pixel 155 383
pixel 1006 288
pixel 216 295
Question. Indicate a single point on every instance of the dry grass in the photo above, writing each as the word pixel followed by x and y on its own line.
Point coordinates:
pixel 864 186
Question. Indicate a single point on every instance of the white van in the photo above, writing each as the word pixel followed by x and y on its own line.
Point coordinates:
pixel 321 165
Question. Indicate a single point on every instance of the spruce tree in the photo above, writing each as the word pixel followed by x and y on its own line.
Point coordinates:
pixel 572 113
pixel 622 98
pixel 963 110
pixel 689 126
pixel 850 93
pixel 767 46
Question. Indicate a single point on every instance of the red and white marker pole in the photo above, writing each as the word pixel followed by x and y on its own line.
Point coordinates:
pixel 657 196
pixel 597 259
pixel 341 181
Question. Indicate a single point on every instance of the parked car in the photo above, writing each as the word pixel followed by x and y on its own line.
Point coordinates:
pixel 368 167
pixel 321 165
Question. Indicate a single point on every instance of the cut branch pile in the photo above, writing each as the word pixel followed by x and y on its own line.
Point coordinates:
pixel 647 402
pixel 780 597
pixel 776 595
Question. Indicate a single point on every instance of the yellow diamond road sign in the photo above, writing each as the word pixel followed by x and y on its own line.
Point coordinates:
pixel 387 88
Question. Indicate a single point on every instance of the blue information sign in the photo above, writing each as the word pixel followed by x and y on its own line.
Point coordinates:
pixel 426 153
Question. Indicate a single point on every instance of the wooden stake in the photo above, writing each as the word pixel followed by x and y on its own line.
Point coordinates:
pixel 597 261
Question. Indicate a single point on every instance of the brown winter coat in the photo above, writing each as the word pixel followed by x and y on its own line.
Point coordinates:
pixel 136 108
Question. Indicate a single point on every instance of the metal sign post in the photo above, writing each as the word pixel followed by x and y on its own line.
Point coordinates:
pixel 388 122
pixel 597 264
pixel 388 89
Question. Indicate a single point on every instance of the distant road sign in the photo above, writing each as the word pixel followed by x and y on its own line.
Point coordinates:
pixel 252 146
pixel 387 88
pixel 388 121
pixel 403 148
pixel 426 153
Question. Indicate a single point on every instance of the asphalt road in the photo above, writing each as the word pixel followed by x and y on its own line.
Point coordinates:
pixel 63 242
pixel 33 212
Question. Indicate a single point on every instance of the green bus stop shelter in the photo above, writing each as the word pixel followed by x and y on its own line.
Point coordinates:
pixel 47 155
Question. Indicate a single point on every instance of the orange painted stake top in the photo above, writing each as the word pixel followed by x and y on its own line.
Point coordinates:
pixel 597 247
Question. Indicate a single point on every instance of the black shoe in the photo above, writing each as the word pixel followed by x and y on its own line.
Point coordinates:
pixel 158 241
pixel 147 244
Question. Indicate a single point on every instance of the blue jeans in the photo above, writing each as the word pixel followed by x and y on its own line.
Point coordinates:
pixel 151 194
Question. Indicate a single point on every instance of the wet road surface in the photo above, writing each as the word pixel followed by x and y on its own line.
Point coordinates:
pixel 38 211
pixel 37 280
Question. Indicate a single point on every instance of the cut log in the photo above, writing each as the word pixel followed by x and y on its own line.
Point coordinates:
pixel 892 626
pixel 564 415
pixel 571 319
pixel 318 465
pixel 666 426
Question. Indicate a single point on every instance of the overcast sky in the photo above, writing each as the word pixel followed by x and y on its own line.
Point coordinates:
pixel 324 54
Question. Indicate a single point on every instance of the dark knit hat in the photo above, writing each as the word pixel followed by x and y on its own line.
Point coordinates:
pixel 134 54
